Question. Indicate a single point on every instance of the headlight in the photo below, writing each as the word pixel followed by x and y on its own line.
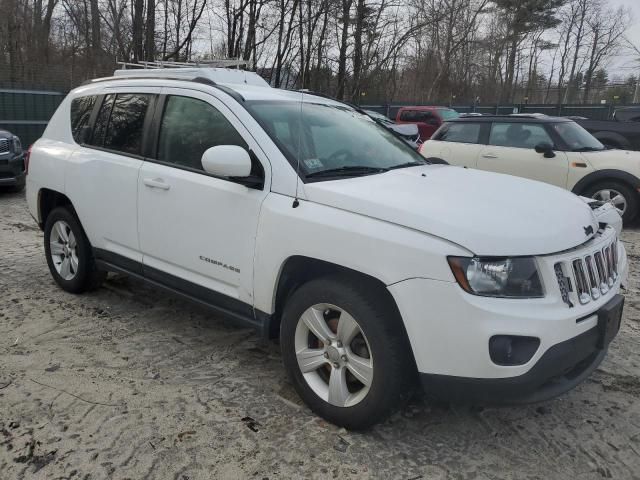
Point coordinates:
pixel 17 146
pixel 497 277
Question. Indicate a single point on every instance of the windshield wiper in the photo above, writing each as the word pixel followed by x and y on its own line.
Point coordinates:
pixel 408 164
pixel 347 171
pixel 587 149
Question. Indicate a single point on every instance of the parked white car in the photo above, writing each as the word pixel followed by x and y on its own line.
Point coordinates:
pixel 549 149
pixel 303 218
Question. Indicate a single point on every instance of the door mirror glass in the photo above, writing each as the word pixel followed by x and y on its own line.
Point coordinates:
pixel 227 161
pixel 545 148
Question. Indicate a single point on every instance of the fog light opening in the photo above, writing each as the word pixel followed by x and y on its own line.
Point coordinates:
pixel 511 350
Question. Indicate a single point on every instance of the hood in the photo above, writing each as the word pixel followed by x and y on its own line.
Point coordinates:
pixel 489 214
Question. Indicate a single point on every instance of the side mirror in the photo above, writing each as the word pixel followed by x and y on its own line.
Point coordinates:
pixel 227 161
pixel 545 148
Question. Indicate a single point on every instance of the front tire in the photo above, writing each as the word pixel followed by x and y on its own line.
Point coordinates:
pixel 346 351
pixel 621 196
pixel 69 253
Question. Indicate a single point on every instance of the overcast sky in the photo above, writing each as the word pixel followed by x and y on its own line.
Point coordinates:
pixel 633 34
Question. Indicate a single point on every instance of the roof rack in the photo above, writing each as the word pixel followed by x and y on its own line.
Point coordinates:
pixel 213 63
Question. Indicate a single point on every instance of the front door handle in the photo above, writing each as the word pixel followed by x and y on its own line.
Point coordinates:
pixel 489 155
pixel 156 183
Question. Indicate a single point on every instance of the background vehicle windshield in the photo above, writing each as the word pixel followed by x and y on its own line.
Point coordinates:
pixel 577 138
pixel 327 137
pixel 447 113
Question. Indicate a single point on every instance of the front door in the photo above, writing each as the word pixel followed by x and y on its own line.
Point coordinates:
pixel 511 150
pixel 197 232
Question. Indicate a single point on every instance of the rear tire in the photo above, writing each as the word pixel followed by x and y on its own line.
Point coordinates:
pixel 69 253
pixel 374 364
pixel 607 191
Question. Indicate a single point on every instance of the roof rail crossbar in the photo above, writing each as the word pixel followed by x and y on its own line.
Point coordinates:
pixel 158 64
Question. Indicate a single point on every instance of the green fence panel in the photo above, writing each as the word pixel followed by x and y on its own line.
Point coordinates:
pixel 25 113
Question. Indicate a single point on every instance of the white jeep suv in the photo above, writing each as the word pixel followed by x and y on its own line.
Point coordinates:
pixel 300 216
pixel 549 149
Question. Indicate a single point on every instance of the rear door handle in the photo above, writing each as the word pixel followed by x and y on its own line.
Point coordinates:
pixel 489 155
pixel 156 183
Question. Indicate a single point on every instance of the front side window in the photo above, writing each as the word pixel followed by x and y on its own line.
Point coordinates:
pixel 126 123
pixel 191 126
pixel 459 132
pixel 576 138
pixel 324 137
pixel 518 135
pixel 81 109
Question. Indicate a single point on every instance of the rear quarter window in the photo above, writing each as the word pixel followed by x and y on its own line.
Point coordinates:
pixel 81 109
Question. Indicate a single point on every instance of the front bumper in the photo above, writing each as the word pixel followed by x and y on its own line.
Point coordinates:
pixel 560 369
pixel 450 332
pixel 12 171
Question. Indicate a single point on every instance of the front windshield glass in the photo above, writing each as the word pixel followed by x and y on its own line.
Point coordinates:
pixel 577 138
pixel 326 138
pixel 448 113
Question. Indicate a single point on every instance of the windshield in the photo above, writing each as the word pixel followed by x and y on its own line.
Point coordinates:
pixel 331 137
pixel 447 113
pixel 577 138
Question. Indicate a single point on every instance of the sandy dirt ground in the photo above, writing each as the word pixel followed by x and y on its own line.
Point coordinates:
pixel 130 383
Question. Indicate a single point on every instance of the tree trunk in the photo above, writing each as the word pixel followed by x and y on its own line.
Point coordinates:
pixel 342 58
pixel 150 31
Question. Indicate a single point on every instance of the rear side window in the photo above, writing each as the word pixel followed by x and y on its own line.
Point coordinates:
pixel 408 115
pixel 519 135
pixel 191 126
pixel 81 109
pixel 459 132
pixel 126 123
pixel 102 121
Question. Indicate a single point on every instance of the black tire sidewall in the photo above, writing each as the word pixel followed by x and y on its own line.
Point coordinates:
pixel 393 367
pixel 80 282
pixel 629 194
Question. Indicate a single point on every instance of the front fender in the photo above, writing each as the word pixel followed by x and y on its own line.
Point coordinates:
pixel 382 250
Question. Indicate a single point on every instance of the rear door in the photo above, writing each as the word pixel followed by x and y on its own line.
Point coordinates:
pixel 197 231
pixel 102 175
pixel 458 143
pixel 511 150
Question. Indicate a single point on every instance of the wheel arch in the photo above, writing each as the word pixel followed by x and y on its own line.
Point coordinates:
pixel 604 175
pixel 298 270
pixel 48 200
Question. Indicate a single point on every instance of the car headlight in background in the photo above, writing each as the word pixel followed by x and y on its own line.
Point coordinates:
pixel 498 277
pixel 17 146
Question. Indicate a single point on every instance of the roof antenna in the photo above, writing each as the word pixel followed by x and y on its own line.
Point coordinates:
pixel 296 201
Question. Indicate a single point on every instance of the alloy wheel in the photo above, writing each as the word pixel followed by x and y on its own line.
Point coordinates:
pixel 614 197
pixel 334 355
pixel 64 250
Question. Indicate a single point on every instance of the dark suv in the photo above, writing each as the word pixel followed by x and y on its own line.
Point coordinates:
pixel 12 164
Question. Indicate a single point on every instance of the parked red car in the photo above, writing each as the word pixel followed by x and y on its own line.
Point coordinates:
pixel 428 119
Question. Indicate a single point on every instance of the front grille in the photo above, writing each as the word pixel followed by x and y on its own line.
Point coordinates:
pixel 4 145
pixel 593 273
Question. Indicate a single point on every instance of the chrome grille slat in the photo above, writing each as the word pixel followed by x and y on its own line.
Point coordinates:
pixel 594 273
pixel 4 145
pixel 594 280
